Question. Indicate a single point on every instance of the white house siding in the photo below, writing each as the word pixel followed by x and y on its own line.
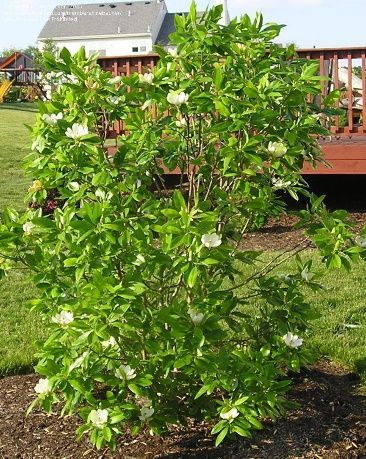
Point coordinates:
pixel 109 46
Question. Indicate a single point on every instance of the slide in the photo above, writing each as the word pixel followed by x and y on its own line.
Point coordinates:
pixel 4 89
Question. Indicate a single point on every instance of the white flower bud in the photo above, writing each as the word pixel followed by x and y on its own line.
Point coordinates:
pixel 177 99
pixel 211 240
pixel 230 415
pixel 27 228
pixel 125 372
pixel 277 149
pixel 98 418
pixel 76 131
pixel 292 340
pixel 146 78
pixel 146 413
pixel 42 387
pixel 63 318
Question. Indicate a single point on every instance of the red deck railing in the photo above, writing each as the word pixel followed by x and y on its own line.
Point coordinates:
pixel 344 69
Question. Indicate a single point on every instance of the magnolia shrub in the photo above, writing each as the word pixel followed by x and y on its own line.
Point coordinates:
pixel 147 289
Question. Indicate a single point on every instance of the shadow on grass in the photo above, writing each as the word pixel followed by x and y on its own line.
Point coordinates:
pixel 22 106
pixel 17 370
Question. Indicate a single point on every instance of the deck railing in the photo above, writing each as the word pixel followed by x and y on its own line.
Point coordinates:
pixel 344 69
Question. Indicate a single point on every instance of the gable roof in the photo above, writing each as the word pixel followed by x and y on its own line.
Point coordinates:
pixel 105 19
pixel 16 59
pixel 167 28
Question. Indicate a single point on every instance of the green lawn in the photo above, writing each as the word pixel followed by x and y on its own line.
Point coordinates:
pixel 340 334
pixel 19 328
pixel 14 145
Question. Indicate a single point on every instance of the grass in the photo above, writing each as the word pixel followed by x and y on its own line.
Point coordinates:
pixel 340 334
pixel 19 328
pixel 22 106
pixel 14 145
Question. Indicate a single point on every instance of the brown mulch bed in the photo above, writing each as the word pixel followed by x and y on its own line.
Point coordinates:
pixel 330 424
pixel 280 234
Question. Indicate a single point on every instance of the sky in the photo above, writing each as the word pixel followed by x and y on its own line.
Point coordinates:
pixel 309 23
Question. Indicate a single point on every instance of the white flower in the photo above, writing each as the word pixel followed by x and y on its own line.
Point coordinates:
pixel 39 144
pixel 27 228
pixel 277 149
pixel 211 240
pixel 52 119
pixel 147 104
pixel 98 418
pixel 196 317
pixel 279 184
pixel 63 318
pixel 146 413
pixel 138 183
pixel 177 99
pixel 125 372
pixel 76 131
pixel 173 52
pixel 292 340
pixel 109 342
pixel 74 186
pixel 140 260
pixel 306 275
pixel 360 241
pixel 146 78
pixel 113 100
pixel 181 123
pixel 230 415
pixel 42 387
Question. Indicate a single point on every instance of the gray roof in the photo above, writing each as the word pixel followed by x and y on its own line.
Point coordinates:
pixel 104 19
pixel 167 28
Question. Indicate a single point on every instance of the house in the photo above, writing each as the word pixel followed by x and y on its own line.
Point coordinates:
pixel 111 29
pixel 17 60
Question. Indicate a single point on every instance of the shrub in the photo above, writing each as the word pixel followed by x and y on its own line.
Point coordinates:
pixel 141 285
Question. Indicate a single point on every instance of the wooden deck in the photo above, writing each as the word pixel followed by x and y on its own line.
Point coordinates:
pixel 345 148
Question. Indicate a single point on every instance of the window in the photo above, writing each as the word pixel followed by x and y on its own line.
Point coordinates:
pixel 92 51
pixel 135 49
pixel 143 49
pixel 102 52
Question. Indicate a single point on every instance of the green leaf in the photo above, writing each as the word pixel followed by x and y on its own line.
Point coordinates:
pixel 107 433
pixel 210 261
pixel 239 430
pixel 136 389
pixel 65 56
pixel 179 201
pixel 202 391
pixel 221 436
pixel 71 262
pixel 222 108
pixel 183 361
pixel 219 76
pixel 192 277
pixel 219 426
